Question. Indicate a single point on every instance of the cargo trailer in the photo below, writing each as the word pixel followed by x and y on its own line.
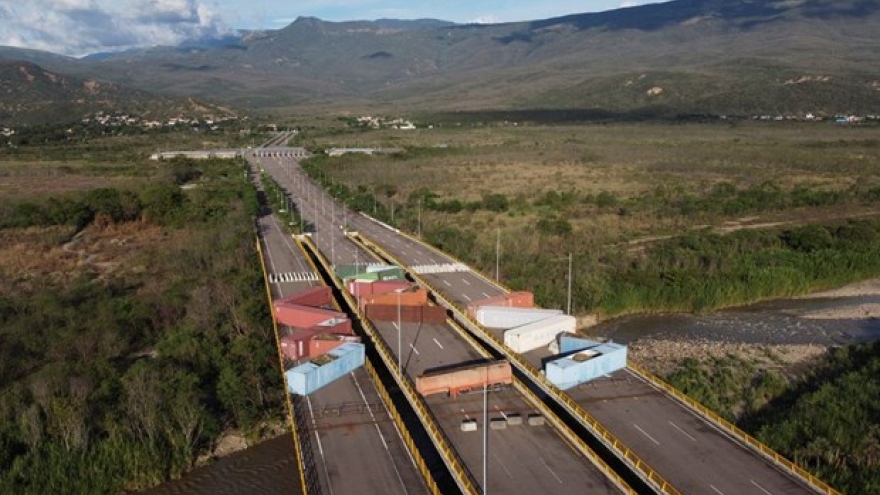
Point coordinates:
pixel 581 366
pixel 324 370
pixel 297 316
pixel 507 317
pixel 538 334
pixel 458 379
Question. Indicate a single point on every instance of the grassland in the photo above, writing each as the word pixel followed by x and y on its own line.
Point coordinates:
pixel 648 210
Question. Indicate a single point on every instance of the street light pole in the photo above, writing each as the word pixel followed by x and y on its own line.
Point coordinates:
pixel 486 433
pixel 420 218
pixel 399 346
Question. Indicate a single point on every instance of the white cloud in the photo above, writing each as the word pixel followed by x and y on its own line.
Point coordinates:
pixel 79 27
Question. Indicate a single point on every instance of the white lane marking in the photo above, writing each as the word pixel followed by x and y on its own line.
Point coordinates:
pixel 414 349
pixel 509 475
pixel 682 431
pixel 395 325
pixel 466 297
pixel 500 411
pixel 646 434
pixel 465 415
pixel 487 295
pixel 551 471
pixel 379 431
pixel 320 447
pixel 447 283
pixel 465 282
pixel 761 487
pixel 438 344
pixel 719 492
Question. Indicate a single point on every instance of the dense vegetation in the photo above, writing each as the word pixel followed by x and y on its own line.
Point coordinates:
pixel 117 382
pixel 827 421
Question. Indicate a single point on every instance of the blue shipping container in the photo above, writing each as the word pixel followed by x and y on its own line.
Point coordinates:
pixel 570 343
pixel 309 377
pixel 585 364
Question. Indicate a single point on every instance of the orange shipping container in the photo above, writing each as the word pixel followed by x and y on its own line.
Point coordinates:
pixel 510 299
pixel 456 380
pixel 414 297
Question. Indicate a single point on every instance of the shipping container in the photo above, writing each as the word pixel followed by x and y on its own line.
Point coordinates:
pixel 370 272
pixel 410 297
pixel 584 365
pixel 510 299
pixel 298 316
pixel 573 343
pixel 296 345
pixel 506 317
pixel 453 380
pixel 410 314
pixel 323 343
pixel 338 326
pixel 315 297
pixel 538 334
pixel 324 370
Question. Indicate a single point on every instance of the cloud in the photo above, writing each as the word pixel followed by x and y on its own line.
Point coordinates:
pixel 80 27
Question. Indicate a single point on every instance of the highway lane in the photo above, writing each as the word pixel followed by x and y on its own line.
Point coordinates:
pixel 523 459
pixel 354 444
pixel 641 420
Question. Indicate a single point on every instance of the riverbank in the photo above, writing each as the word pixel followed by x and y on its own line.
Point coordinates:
pixel 789 340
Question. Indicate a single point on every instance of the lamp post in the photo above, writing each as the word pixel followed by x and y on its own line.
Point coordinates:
pixel 497 254
pixel 486 433
pixel 399 346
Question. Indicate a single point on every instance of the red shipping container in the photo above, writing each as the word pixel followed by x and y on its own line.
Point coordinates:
pixel 385 286
pixel 457 379
pixel 359 289
pixel 410 314
pixel 339 326
pixel 315 297
pixel 321 344
pixel 302 316
pixel 296 345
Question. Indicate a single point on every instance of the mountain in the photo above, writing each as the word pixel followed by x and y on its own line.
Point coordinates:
pixel 683 56
pixel 30 94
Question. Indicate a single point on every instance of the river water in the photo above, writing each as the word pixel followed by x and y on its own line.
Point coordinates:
pixel 775 322
pixel 269 467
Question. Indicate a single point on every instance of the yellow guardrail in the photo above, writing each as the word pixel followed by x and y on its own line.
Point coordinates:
pixel 603 434
pixel 453 461
pixel 741 435
pixel 290 416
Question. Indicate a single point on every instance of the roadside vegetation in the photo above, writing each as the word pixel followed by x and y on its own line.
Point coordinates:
pixel 134 331
pixel 825 419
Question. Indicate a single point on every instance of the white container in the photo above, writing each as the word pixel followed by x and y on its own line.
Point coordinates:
pixel 538 334
pixel 507 317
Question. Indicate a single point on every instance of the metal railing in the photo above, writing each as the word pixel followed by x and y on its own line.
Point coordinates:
pixel 640 467
pixel 463 477
pixel 300 459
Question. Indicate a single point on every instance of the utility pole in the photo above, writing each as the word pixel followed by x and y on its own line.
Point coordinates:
pixel 420 219
pixel 569 283
pixel 497 253
pixel 486 433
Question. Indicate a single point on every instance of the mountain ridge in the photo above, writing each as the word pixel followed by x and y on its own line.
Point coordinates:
pixel 715 56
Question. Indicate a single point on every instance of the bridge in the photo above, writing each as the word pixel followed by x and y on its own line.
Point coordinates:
pixel 656 436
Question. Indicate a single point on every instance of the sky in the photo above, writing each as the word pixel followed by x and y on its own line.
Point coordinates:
pixel 80 27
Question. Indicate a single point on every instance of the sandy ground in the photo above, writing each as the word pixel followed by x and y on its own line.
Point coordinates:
pixel 662 356
pixel 855 311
